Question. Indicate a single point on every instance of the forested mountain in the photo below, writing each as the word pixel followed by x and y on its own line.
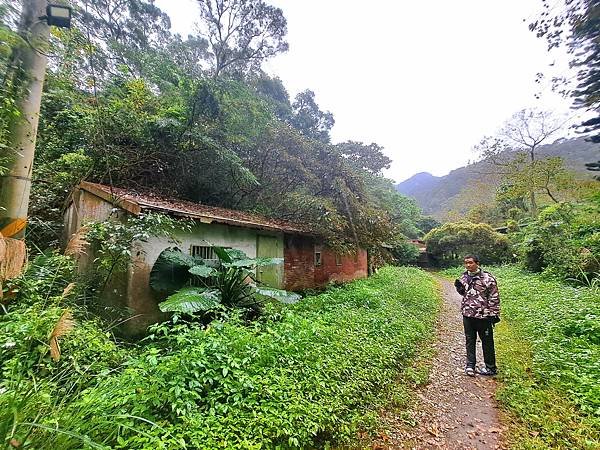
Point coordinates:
pixel 441 196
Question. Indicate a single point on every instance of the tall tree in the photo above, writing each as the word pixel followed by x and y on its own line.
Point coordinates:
pixel 365 157
pixel 525 132
pixel 275 92
pixel 116 33
pixel 242 34
pixel 309 119
pixel 577 24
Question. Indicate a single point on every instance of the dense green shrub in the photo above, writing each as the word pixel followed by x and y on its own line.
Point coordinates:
pixel 33 385
pixel 303 375
pixel 405 253
pixel 46 277
pixel 452 241
pixel 548 348
pixel 563 241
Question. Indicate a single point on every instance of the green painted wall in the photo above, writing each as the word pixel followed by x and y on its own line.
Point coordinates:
pixel 270 247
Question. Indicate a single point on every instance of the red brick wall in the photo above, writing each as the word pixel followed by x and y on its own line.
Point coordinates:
pixel 300 270
pixel 351 268
pixel 299 267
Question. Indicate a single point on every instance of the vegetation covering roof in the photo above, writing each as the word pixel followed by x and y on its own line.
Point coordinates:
pixel 137 202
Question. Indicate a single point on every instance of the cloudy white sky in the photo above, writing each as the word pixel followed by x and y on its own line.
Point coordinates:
pixel 426 80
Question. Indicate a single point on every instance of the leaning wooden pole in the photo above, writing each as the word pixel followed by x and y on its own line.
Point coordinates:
pixel 27 78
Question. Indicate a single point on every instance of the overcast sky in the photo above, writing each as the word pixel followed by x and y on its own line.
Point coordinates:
pixel 425 80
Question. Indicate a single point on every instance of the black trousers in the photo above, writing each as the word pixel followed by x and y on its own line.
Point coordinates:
pixel 485 330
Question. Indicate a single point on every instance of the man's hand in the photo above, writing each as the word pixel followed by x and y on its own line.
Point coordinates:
pixel 459 287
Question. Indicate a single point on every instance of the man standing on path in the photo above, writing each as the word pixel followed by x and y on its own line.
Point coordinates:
pixel 480 308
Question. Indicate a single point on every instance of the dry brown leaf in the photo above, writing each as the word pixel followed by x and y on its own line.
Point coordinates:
pixel 433 431
pixel 2 248
pixel 68 289
pixel 77 244
pixel 62 327
pixel 13 255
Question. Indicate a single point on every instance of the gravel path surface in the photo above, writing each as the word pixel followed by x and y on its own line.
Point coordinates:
pixel 453 411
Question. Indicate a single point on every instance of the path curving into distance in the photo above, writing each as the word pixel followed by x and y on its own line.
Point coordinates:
pixel 453 411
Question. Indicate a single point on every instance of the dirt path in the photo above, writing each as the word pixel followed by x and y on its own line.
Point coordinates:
pixel 453 411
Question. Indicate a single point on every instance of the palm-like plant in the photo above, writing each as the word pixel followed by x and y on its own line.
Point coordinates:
pixel 204 286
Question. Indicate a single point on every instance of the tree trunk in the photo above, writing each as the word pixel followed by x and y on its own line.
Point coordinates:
pixel 28 81
pixel 533 204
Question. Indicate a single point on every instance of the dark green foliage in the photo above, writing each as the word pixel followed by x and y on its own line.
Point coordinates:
pixel 426 224
pixel 170 272
pixel 452 241
pixel 228 283
pixel 305 375
pixel 202 271
pixel 365 157
pixel 276 94
pixel 309 119
pixel 403 211
pixel 405 253
pixel 192 300
pixel 563 241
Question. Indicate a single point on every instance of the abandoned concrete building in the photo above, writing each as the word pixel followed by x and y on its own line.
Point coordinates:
pixel 307 262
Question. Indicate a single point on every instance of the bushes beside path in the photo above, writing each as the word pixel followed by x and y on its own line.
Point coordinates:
pixel 303 375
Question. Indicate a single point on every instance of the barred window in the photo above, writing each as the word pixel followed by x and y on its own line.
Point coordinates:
pixel 206 252
pixel 318 261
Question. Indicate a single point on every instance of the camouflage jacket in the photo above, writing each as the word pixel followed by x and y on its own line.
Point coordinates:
pixel 481 299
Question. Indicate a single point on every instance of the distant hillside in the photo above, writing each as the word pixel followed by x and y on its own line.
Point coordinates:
pixel 435 194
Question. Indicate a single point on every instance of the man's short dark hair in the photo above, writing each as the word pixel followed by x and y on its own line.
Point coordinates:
pixel 473 257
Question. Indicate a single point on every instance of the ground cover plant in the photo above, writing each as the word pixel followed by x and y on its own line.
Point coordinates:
pixel 302 375
pixel 51 349
pixel 548 348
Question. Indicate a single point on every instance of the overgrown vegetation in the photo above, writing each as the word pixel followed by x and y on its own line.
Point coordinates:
pixel 452 241
pixel 46 361
pixel 301 376
pixel 564 240
pixel 216 286
pixel 548 348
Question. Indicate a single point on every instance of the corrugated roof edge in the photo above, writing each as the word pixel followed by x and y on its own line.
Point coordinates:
pixel 135 203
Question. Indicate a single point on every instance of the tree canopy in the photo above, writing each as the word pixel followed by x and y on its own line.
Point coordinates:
pixel 577 26
pixel 129 103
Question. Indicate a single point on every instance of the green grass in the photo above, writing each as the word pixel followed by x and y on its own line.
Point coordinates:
pixel 305 375
pixel 548 347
